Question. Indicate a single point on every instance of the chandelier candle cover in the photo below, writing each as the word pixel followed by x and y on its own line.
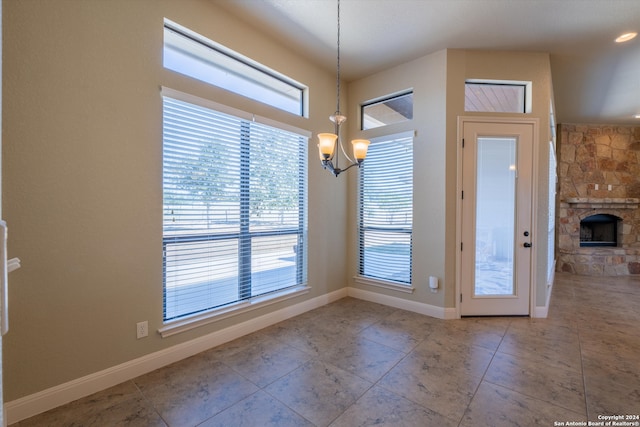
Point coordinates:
pixel 329 142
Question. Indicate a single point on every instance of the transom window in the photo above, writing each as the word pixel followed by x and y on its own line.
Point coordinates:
pixel 191 54
pixel 235 207
pixel 387 111
pixel 386 209
pixel 491 96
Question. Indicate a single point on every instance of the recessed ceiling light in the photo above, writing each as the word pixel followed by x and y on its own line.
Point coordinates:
pixel 626 37
pixel 637 116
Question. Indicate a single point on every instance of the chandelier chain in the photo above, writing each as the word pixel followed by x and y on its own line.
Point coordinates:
pixel 338 63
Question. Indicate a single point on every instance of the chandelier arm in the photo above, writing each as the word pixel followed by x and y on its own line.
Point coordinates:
pixel 328 165
pixel 345 153
pixel 350 166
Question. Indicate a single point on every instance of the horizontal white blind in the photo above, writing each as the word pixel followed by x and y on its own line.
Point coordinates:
pixel 234 220
pixel 386 209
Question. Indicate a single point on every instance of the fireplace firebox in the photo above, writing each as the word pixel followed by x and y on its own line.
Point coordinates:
pixel 599 230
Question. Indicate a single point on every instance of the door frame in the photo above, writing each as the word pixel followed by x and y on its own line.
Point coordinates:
pixel 3 412
pixel 534 201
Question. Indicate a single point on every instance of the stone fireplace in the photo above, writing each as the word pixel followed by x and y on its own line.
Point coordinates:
pixel 598 223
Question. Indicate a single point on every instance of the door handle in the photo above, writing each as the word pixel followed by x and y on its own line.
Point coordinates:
pixel 527 245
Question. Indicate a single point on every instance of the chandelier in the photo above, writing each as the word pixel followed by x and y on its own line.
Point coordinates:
pixel 329 143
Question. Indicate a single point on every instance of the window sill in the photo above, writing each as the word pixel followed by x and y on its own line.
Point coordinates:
pixel 185 324
pixel 394 286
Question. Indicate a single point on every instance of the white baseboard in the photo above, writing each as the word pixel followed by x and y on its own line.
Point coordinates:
pixel 401 303
pixel 53 397
pixel 543 311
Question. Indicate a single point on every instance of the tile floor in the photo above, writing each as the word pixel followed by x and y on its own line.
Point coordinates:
pixel 355 363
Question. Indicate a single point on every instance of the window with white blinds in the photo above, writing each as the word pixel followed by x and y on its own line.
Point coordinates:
pixel 386 209
pixel 234 223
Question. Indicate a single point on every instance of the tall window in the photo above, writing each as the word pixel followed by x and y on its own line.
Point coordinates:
pixel 386 209
pixel 234 222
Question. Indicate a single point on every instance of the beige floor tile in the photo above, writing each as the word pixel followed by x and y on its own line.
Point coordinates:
pixel 496 406
pixel 607 318
pixel 117 406
pixel 238 344
pixel 558 345
pixel 605 397
pixel 533 376
pixel 446 391
pixel 612 368
pixel 348 315
pixel 402 330
pixel 616 345
pixel 443 354
pixel 354 314
pixel 259 410
pixel 380 407
pixel 264 360
pixel 483 332
pixel 563 314
pixel 193 390
pixel 366 359
pixel 318 391
pixel 312 338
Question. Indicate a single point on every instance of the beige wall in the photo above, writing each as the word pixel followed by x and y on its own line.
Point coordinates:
pixel 427 77
pixel 82 173
pixel 83 178
pixel 438 83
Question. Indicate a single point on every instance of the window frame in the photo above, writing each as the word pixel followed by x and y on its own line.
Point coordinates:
pixel 246 302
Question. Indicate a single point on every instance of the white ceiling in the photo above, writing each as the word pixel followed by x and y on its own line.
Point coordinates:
pixel 595 80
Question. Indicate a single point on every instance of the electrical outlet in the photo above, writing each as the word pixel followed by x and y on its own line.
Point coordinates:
pixel 142 329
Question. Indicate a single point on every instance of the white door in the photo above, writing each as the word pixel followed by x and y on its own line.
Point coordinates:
pixel 496 202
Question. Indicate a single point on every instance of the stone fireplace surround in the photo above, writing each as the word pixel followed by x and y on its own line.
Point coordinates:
pixel 598 173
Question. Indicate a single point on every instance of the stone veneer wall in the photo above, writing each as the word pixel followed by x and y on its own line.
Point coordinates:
pixel 591 156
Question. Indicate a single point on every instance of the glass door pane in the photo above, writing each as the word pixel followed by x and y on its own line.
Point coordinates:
pixel 495 216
